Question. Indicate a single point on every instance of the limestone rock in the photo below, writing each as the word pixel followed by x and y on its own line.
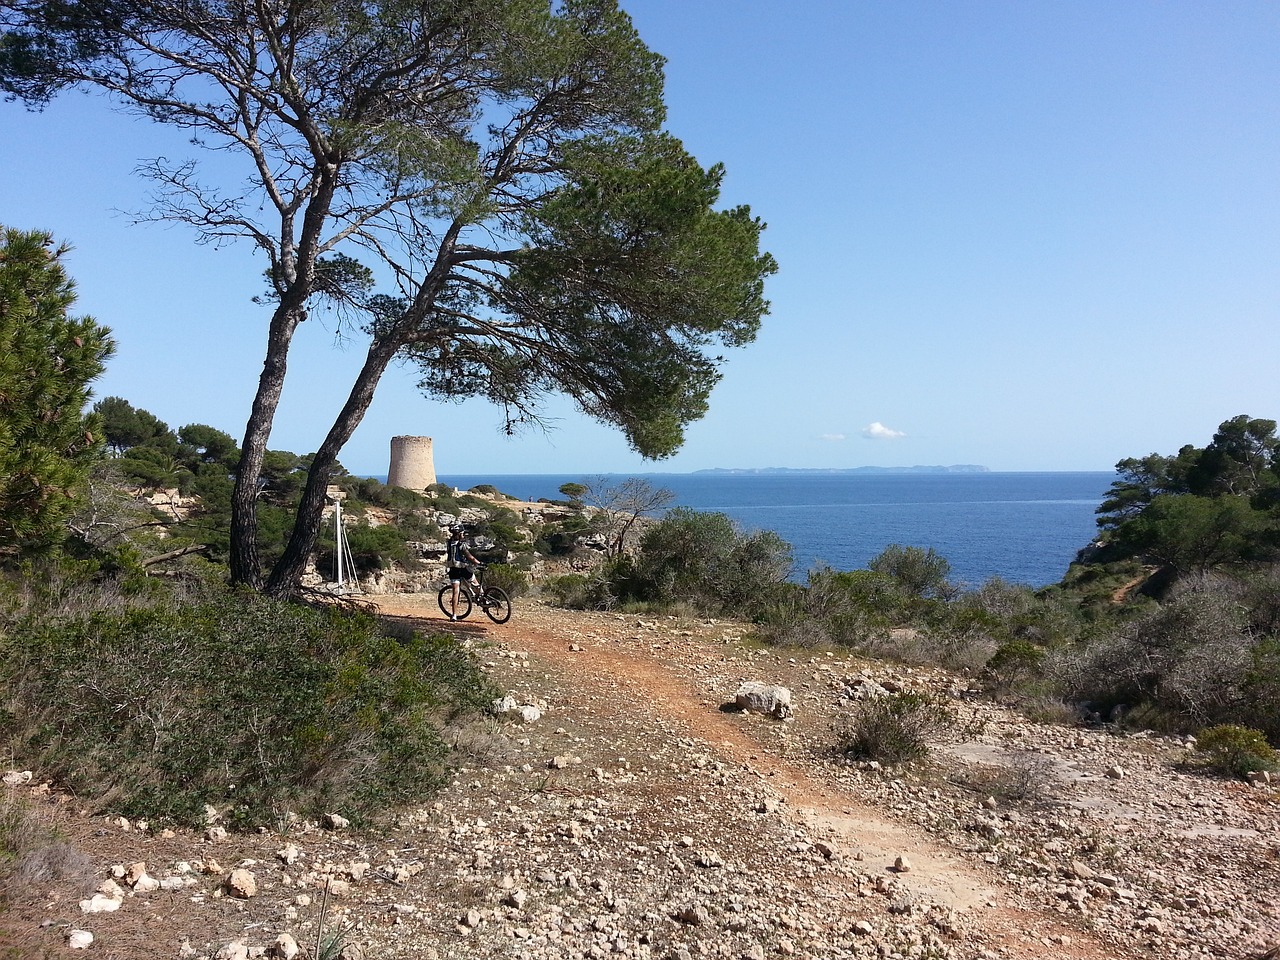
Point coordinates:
pixel 765 698
pixel 242 884
pixel 99 903
pixel 79 939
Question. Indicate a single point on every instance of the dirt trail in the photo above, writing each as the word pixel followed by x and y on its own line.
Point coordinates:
pixel 637 678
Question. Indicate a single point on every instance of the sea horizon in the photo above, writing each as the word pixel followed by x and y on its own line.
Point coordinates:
pixel 1019 526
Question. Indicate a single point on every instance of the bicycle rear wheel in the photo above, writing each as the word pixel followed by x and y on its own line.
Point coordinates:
pixel 445 599
pixel 497 605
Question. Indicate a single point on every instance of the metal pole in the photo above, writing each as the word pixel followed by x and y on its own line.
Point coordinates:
pixel 337 536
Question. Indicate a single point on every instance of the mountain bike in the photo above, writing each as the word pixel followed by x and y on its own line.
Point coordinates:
pixel 492 600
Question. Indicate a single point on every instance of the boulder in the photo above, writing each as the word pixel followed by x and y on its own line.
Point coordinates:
pixel 764 698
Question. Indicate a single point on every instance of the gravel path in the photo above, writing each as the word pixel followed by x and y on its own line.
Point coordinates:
pixel 635 817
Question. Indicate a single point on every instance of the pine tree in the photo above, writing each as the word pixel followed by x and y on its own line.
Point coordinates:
pixel 47 360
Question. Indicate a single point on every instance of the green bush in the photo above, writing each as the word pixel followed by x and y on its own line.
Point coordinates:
pixel 704 560
pixel 919 572
pixel 574 591
pixel 893 729
pixel 1236 751
pixel 236 701
pixel 513 581
pixel 1014 667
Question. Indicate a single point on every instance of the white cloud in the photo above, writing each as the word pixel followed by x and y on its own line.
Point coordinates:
pixel 833 437
pixel 878 431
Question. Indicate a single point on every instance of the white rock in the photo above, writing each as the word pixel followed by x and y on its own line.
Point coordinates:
pixel 100 903
pixel 284 947
pixel 290 853
pixel 79 939
pixel 335 822
pixel 146 884
pixel 17 778
pixel 1115 772
pixel 764 698
pixel 516 898
pixel 235 950
pixel 216 834
pixel 709 859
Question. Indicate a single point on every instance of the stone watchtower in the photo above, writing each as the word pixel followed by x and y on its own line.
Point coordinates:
pixel 412 464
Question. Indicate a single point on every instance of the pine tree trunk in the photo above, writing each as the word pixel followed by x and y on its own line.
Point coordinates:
pixel 246 567
pixel 286 576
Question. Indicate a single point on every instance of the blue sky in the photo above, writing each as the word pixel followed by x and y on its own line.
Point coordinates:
pixel 1029 235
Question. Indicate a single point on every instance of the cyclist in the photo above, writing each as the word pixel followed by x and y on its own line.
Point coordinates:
pixel 458 557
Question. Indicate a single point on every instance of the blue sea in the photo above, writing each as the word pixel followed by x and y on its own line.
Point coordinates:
pixel 1022 527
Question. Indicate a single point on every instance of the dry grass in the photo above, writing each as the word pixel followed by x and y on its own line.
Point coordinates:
pixel 32 855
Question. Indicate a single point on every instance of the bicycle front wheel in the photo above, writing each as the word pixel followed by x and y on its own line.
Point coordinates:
pixel 497 605
pixel 445 600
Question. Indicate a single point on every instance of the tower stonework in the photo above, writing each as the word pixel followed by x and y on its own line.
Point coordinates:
pixel 413 465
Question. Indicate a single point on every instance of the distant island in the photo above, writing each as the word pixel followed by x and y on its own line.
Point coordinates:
pixel 841 471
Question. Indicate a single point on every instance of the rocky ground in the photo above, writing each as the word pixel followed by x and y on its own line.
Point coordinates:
pixel 631 815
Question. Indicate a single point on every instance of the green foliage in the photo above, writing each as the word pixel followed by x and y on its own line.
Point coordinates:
pixel 702 559
pixel 1262 687
pixel 372 548
pixel 48 359
pixel 234 701
pixel 576 591
pixel 1186 661
pixel 510 579
pixel 1193 534
pixel 126 427
pixel 893 729
pixel 1202 508
pixel 921 573
pixel 574 492
pixel 1236 751
pixel 370 491
pixel 1015 667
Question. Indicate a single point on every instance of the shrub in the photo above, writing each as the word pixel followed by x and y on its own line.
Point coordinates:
pixel 893 729
pixel 920 572
pixel 703 559
pixel 1189 660
pixel 1262 688
pixel 236 701
pixel 32 853
pixel 1236 750
pixel 507 577
pixel 1014 667
pixel 575 591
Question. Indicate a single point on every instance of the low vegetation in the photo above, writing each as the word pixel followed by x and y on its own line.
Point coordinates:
pixel 223 699
pixel 893 729
pixel 159 697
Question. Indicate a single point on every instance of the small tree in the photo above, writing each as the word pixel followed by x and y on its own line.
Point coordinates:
pixel 922 573
pixel 621 505
pixel 574 491
pixel 704 558
pixel 503 164
pixel 48 359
